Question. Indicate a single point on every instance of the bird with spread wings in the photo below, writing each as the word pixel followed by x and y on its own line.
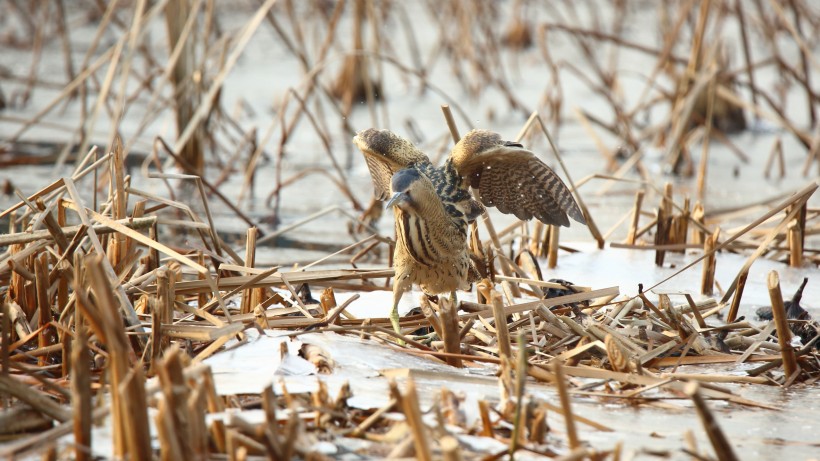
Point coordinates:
pixel 433 206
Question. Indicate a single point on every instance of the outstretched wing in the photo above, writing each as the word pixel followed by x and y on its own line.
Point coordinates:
pixel 513 179
pixel 386 153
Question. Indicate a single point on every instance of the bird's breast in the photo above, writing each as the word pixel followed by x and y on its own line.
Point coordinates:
pixel 432 252
pixel 427 241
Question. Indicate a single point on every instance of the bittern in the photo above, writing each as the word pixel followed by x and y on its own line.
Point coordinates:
pixel 433 206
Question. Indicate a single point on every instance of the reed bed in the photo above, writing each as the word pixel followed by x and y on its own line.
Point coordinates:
pixel 114 297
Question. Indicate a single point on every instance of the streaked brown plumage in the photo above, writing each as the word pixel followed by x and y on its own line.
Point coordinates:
pixel 433 206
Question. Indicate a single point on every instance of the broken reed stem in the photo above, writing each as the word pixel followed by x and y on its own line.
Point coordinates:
pixel 271 423
pixel 135 411
pixel 796 235
pixel 707 281
pixel 538 426
pixel 501 327
pixel 81 395
pixel 704 156
pixel 723 449
pixel 186 93
pixel 661 232
pixel 691 443
pixel 175 393
pixel 776 153
pixel 667 201
pixel 410 406
pixel 250 261
pixel 450 331
pixel 636 217
pixel 782 323
pixel 128 400
pixel 450 449
pixel 451 122
pixel 486 422
pixel 747 55
pixel 164 305
pixel 5 340
pixel 156 330
pixel 566 406
pixel 697 217
pixel 735 307
pixel 45 338
pixel 795 245
pixel 520 381
pixel 552 256
pixel 537 238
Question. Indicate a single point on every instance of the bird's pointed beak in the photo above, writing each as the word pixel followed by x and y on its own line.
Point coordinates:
pixel 395 199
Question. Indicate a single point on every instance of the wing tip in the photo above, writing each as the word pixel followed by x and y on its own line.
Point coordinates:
pixel 578 216
pixel 561 217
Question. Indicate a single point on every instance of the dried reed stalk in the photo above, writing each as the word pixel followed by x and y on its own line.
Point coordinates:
pixel 566 406
pixel 708 274
pixel 782 322
pixel 723 449
pixel 186 92
pixel 410 406
pixel 450 330
pixel 501 328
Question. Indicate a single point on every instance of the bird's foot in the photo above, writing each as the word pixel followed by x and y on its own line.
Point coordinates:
pixel 427 339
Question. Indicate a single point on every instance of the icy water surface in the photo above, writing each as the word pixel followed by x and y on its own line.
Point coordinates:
pixel 786 433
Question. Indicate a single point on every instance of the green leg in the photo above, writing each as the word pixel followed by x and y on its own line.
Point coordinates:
pixel 394 319
pixel 454 300
pixel 394 313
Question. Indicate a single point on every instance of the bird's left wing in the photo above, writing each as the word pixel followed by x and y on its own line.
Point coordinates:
pixel 513 179
pixel 386 153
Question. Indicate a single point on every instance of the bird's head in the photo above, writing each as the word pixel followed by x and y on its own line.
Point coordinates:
pixel 411 191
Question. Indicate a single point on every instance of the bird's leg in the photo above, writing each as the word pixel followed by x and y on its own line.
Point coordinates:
pixel 398 290
pixel 394 319
pixel 454 300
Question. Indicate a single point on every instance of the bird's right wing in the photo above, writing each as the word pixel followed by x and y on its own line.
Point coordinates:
pixel 513 179
pixel 386 153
